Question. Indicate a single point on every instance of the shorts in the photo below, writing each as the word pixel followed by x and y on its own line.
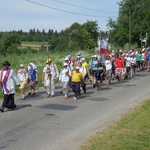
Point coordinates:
pixel 148 62
pixel 133 66
pixel 93 72
pixel 127 69
pixel 138 64
pixel 118 71
pixel 108 73
pixel 22 84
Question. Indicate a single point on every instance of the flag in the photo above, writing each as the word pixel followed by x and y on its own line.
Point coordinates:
pixel 103 48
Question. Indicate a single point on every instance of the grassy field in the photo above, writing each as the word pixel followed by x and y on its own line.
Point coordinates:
pixel 33 45
pixel 132 132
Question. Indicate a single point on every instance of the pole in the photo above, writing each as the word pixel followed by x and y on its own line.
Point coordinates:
pixel 146 39
pixel 129 28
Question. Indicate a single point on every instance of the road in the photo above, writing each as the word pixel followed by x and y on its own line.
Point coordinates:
pixel 41 123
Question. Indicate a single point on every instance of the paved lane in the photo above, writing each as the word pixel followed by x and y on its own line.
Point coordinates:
pixel 64 124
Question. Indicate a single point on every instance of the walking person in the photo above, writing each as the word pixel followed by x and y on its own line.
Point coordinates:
pixel 138 60
pixel 99 74
pixel 32 79
pixel 128 63
pixel 64 77
pixel 119 67
pixel 54 76
pixel 8 79
pixel 93 69
pixel 46 79
pixel 133 70
pixel 76 79
pixel 84 72
pixel 148 59
pixel 23 77
pixel 108 66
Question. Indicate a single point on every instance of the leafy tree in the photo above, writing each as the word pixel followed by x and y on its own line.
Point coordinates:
pixel 133 20
pixel 9 43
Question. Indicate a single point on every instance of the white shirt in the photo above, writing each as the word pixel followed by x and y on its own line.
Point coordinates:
pixel 22 74
pixel 46 72
pixel 108 64
pixel 54 71
pixel 83 70
pixel 12 80
pixel 63 77
pixel 128 61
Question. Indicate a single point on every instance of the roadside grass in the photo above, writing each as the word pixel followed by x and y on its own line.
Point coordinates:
pixel 131 132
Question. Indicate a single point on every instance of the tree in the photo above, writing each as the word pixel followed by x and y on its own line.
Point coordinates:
pixel 133 19
pixel 9 43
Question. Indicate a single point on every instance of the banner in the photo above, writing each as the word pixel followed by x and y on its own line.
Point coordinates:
pixel 103 48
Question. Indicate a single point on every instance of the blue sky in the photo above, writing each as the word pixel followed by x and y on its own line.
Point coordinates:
pixel 26 15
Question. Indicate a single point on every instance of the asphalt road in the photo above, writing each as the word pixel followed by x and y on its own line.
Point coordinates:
pixel 41 123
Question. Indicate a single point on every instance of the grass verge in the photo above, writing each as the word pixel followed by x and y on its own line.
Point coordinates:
pixel 132 132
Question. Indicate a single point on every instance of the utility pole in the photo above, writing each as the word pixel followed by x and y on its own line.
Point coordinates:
pixel 146 39
pixel 129 28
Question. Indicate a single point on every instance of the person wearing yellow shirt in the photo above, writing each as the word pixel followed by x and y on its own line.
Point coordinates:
pixel 76 79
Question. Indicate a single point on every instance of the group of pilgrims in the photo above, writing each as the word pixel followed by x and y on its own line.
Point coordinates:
pixel 74 74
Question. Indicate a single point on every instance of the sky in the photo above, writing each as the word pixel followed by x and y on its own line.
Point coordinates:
pixel 55 14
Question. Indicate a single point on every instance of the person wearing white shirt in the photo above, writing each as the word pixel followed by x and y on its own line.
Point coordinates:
pixel 23 76
pixel 84 72
pixel 108 66
pixel 8 79
pixel 128 65
pixel 52 71
pixel 133 62
pixel 64 77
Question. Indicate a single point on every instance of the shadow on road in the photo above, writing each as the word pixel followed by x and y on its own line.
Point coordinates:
pixel 58 107
pixel 98 99
pixel 23 106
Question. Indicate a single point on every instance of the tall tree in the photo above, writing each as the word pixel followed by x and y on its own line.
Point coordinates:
pixel 9 43
pixel 133 20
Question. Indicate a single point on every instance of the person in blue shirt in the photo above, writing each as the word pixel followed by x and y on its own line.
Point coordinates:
pixel 93 69
pixel 32 79
pixel 148 58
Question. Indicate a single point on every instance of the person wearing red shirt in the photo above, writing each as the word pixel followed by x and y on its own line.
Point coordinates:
pixel 119 68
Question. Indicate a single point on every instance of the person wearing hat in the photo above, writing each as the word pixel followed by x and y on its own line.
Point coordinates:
pixel 67 60
pixel 93 68
pixel 23 77
pixel 83 70
pixel 70 60
pixel 8 79
pixel 32 79
pixel 128 63
pixel 76 79
pixel 51 71
pixel 64 77
pixel 70 67
pixel 77 60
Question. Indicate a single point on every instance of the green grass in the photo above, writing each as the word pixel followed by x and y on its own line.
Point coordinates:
pixel 132 132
